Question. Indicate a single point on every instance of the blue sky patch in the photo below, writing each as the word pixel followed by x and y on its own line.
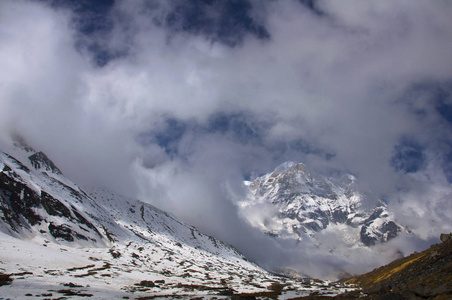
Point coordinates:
pixel 313 6
pixel 228 25
pixel 237 125
pixel 408 156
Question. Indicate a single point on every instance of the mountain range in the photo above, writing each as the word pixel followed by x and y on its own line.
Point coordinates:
pixel 58 239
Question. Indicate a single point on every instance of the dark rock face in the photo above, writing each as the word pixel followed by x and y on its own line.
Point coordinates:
pixel 17 201
pixel 388 230
pixel 22 208
pixel 340 216
pixel 61 231
pixel 65 233
pixel 54 207
pixel 40 161
pixel 146 283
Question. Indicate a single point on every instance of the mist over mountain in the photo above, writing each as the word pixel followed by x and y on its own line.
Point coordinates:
pixel 305 225
pixel 304 204
pixel 51 230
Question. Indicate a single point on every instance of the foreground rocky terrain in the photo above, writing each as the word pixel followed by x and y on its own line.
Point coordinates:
pixel 425 275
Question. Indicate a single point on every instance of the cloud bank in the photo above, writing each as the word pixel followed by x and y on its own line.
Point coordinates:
pixel 178 103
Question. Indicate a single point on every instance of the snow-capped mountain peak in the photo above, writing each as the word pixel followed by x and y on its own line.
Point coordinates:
pixel 40 161
pixel 303 203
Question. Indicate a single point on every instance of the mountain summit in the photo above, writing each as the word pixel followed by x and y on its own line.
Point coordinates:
pixel 295 202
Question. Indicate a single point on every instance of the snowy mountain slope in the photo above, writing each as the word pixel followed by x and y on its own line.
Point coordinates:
pixel 37 199
pixel 150 223
pixel 58 239
pixel 296 202
pixel 36 203
pixel 141 271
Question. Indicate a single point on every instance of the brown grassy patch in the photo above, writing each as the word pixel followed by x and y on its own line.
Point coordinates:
pixel 80 268
pixel 68 292
pixel 423 275
pixel 385 272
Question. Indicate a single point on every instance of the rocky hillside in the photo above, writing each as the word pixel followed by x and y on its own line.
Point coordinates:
pixel 37 202
pixel 36 199
pixel 295 202
pixel 425 275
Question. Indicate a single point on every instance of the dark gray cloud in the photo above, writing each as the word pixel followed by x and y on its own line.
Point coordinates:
pixel 177 102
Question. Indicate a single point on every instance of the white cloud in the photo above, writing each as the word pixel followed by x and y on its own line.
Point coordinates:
pixel 44 95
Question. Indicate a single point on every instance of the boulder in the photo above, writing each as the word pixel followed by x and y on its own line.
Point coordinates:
pixel 444 237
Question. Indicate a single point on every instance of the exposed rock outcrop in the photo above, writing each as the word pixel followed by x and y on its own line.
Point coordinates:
pixel 444 237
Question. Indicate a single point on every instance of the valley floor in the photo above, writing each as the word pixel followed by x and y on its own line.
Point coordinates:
pixel 50 271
